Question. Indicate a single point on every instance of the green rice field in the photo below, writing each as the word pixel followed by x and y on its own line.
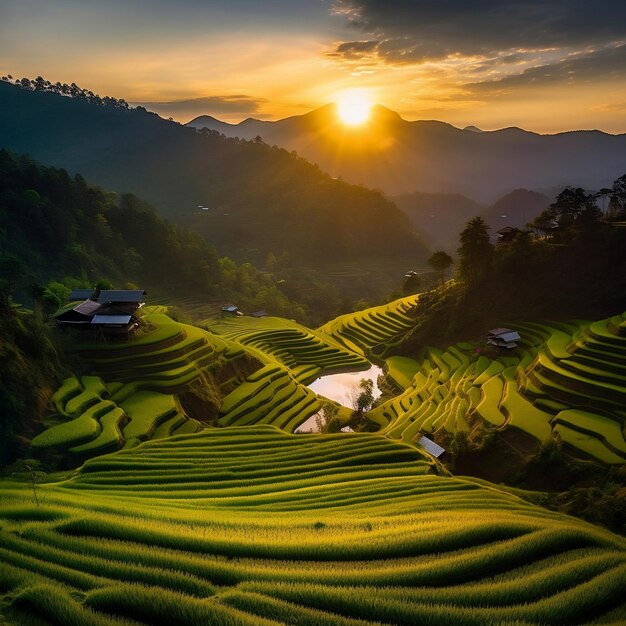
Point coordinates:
pixel 565 379
pixel 251 525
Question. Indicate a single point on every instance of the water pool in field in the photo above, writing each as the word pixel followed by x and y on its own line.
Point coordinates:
pixel 340 387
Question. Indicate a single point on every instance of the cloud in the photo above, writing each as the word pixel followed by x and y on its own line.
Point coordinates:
pixel 607 63
pixel 235 104
pixel 613 107
pixel 407 31
pixel 355 49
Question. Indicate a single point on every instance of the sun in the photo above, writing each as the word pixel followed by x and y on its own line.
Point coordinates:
pixel 353 107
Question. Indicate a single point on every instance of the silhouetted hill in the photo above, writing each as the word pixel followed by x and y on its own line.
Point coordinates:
pixel 441 216
pixel 259 198
pixel 517 208
pixel 401 157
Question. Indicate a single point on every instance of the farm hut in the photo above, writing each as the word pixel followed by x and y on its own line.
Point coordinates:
pixel 260 314
pixel 79 314
pixel 114 313
pixel 503 338
pixel 112 324
pixel 119 296
pixel 230 309
pixel 347 429
pixel 507 234
pixel 431 447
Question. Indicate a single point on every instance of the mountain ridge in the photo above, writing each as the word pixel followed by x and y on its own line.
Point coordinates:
pixel 401 157
pixel 257 197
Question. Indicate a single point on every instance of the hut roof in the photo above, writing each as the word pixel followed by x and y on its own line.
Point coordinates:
pixel 80 294
pixel 121 295
pixel 431 447
pixel 111 320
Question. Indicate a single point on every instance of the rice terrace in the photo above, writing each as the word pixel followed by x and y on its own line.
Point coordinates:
pixel 166 519
pixel 312 313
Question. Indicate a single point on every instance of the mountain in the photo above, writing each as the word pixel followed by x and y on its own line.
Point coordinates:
pixel 247 198
pixel 440 216
pixel 516 208
pixel 401 157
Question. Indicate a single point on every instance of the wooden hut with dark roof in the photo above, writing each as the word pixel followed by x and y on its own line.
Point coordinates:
pixel 113 312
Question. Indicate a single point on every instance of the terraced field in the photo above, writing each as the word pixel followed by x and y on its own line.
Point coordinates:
pixel 134 397
pixel 100 418
pixel 307 353
pixel 566 379
pixel 168 357
pixel 253 526
pixel 273 396
pixel 375 330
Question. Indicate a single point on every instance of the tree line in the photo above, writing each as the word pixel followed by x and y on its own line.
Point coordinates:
pixel 72 90
pixel 570 262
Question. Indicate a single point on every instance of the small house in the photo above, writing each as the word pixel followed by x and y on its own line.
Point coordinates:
pixel 230 310
pixel 79 314
pixel 431 447
pixel 507 234
pixel 113 312
pixel 261 313
pixel 503 338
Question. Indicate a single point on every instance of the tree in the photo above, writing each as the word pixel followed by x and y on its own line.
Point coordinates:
pixel 603 193
pixel 475 251
pixel 12 270
pixel 440 262
pixel 617 200
pixel 324 418
pixel 544 223
pixel 574 207
pixel 362 397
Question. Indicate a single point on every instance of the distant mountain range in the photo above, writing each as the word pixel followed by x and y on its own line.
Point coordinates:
pixel 401 157
pixel 441 216
pixel 246 198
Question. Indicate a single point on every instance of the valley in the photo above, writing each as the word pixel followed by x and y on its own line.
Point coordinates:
pixel 169 453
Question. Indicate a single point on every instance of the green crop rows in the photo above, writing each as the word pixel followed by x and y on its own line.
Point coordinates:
pixel 375 330
pixel 252 526
pixel 564 379
pixel 307 353
pixel 99 419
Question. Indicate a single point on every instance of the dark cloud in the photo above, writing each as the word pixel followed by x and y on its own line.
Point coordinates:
pixel 355 49
pixel 239 104
pixel 412 30
pixel 608 63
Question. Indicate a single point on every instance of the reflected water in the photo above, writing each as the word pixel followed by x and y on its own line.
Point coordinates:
pixel 339 387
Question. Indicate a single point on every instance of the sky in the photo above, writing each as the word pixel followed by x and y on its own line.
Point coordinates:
pixel 547 66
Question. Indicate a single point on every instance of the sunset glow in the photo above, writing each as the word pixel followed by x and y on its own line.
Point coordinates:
pixel 552 69
pixel 353 107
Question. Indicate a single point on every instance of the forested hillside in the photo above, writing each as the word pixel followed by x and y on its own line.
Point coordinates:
pixel 56 229
pixel 258 199
pixel 571 263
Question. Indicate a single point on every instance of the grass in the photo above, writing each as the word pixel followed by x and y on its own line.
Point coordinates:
pixel 250 525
